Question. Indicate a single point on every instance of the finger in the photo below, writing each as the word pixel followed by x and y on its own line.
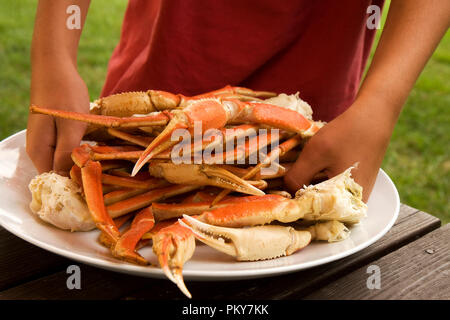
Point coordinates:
pixel 304 169
pixel 40 144
pixel 69 134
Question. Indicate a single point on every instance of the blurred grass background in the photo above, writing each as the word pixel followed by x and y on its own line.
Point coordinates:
pixel 418 158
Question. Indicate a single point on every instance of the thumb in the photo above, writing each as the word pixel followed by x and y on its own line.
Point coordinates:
pixel 68 137
pixel 304 169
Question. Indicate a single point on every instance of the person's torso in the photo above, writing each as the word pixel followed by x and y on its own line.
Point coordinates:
pixel 316 47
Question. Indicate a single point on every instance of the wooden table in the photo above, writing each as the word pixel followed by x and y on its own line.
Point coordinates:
pixel 413 259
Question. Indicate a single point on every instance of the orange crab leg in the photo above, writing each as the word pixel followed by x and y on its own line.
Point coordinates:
pixel 91 177
pixel 199 196
pixel 155 119
pixel 174 245
pixel 133 183
pixel 144 200
pixel 125 247
pixel 210 112
pixel 164 211
pixel 122 194
pixel 274 154
pixel 107 188
pixel 216 113
pixel 75 175
pixel 113 164
pixel 142 141
pixel 230 90
pixel 119 222
pixel 261 210
pixel 252 145
pixel 274 116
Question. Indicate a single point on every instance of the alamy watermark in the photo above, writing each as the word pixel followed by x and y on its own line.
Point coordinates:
pixel 74 280
pixel 374 20
pixel 374 280
pixel 74 19
pixel 228 146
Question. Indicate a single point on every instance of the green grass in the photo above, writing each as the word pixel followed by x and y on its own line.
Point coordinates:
pixel 418 158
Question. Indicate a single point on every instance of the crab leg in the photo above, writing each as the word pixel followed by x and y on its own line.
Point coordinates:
pixel 174 245
pixel 251 146
pixel 201 175
pixel 119 222
pixel 75 175
pixel 140 102
pixel 249 244
pixel 125 247
pixel 144 200
pixel 155 119
pixel 229 90
pixel 216 113
pixel 91 176
pixel 122 194
pixel 133 183
pixel 339 198
pixel 164 211
pixel 282 149
pixel 142 141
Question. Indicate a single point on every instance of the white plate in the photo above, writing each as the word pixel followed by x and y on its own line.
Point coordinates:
pixel 16 171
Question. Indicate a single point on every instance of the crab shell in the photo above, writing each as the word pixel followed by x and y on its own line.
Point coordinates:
pixel 338 198
pixel 249 244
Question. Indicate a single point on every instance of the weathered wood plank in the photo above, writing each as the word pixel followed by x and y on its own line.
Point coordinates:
pixel 21 261
pixel 410 225
pixel 100 284
pixel 95 284
pixel 419 270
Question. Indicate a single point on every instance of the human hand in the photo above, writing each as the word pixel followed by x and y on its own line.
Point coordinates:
pixel 361 134
pixel 50 141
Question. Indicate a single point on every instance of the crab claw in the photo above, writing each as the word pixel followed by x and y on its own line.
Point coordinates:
pixel 249 244
pixel 162 142
pixel 125 248
pixel 209 112
pixel 174 245
pixel 201 174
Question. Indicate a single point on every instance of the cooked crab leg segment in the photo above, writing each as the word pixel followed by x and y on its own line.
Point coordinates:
pixel 144 200
pixel 119 222
pixel 155 119
pixel 174 245
pixel 216 113
pixel 201 175
pixel 110 154
pixel 249 244
pixel 339 198
pixel 272 156
pixel 133 183
pixel 251 146
pixel 125 247
pixel 164 211
pixel 75 175
pixel 226 135
pixel 142 141
pixel 140 102
pixel 122 194
pixel 228 90
pixel 91 176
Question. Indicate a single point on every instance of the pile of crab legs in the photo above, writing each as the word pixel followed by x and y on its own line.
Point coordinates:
pixel 135 129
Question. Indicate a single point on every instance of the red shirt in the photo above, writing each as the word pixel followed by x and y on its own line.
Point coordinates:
pixel 318 47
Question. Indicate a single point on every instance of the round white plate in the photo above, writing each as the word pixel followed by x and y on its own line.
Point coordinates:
pixel 16 171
